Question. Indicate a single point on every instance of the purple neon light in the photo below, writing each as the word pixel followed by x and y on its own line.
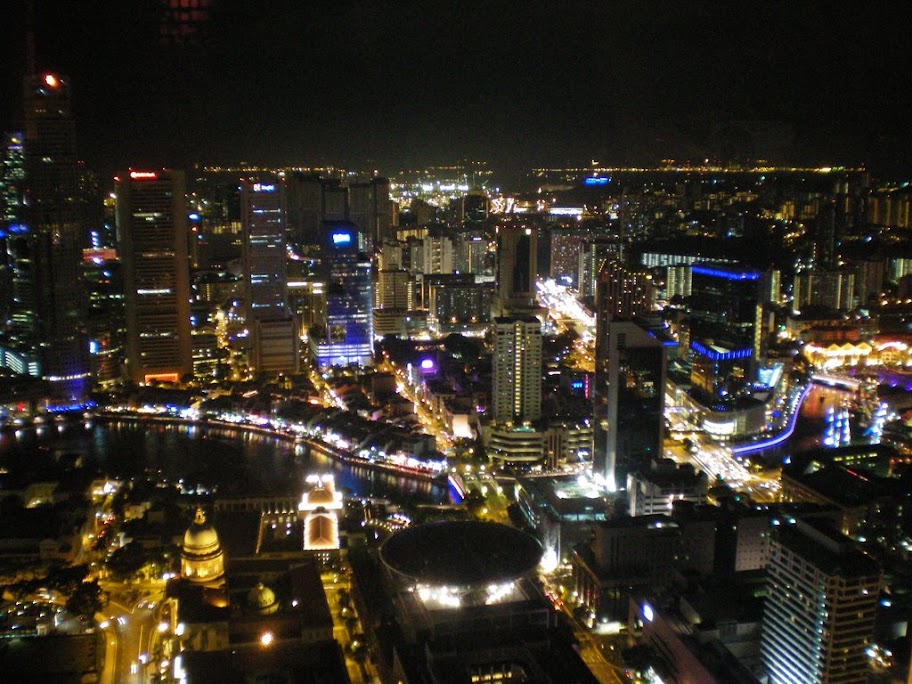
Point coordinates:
pixel 776 441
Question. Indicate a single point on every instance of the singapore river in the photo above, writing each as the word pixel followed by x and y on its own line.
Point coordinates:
pixel 232 461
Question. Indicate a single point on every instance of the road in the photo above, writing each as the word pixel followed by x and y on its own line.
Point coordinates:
pixel 130 626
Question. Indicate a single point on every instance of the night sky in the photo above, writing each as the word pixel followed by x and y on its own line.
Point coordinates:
pixel 398 84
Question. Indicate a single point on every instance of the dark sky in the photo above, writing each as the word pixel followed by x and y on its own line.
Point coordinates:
pixel 395 84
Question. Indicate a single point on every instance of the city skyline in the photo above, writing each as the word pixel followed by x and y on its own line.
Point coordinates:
pixel 521 85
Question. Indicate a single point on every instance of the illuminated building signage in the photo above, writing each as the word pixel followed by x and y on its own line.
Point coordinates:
pixel 264 187
pixel 427 364
pixel 341 238
pixel 596 180
pixel 143 175
pixel 727 275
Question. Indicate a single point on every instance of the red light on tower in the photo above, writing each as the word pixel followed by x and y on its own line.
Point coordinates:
pixel 51 80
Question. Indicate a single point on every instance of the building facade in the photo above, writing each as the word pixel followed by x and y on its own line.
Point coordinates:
pixel 152 223
pixel 517 381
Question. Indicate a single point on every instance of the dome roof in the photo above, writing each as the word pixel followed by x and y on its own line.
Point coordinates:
pixel 262 599
pixel 200 539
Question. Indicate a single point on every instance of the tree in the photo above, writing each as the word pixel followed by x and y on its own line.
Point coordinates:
pixel 87 600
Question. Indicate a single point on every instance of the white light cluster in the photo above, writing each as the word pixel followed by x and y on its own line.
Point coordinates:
pixel 498 592
pixel 442 596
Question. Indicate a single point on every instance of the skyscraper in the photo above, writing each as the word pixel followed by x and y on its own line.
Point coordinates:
pixel 346 336
pixel 273 330
pixel 818 616
pixel 51 311
pixel 369 209
pixel 152 223
pixel 726 330
pixel 263 248
pixel 517 254
pixel 629 399
pixel 517 382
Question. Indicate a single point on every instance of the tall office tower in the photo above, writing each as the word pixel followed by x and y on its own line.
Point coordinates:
pixel 305 208
pixel 517 255
pixel 818 617
pixel 594 254
pixel 517 370
pixel 623 292
pixel 263 248
pixel 12 181
pixel 368 208
pixel 566 247
pixel 12 213
pixel 152 224
pixel 726 330
pixel 346 336
pixel 54 309
pixel 394 289
pixel 629 400
pixel 274 331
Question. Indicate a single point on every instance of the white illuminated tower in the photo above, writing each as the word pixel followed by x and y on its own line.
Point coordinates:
pixel 516 396
pixel 152 223
pixel 273 329
pixel 818 617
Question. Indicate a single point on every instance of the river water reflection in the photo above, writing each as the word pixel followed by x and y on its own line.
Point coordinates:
pixel 233 461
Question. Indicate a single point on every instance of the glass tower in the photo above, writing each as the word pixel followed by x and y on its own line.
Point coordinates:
pixel 348 334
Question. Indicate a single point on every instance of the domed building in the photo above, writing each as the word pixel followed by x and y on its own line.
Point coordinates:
pixel 261 600
pixel 202 558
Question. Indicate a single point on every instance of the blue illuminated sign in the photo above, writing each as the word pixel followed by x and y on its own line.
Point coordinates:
pixel 720 356
pixel 341 238
pixel 264 187
pixel 596 180
pixel 727 275
pixel 18 229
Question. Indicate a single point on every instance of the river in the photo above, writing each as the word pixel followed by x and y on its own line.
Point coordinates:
pixel 231 462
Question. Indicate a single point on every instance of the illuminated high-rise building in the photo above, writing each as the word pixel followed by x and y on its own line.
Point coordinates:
pixel 726 330
pixel 346 335
pixel 517 254
pixel 12 180
pixel 152 223
pixel 12 213
pixel 629 399
pixel 263 248
pixel 49 310
pixel 273 330
pixel 517 379
pixel 818 616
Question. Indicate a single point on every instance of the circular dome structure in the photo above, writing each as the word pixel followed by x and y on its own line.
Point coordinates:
pixel 461 553
pixel 262 600
pixel 202 559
